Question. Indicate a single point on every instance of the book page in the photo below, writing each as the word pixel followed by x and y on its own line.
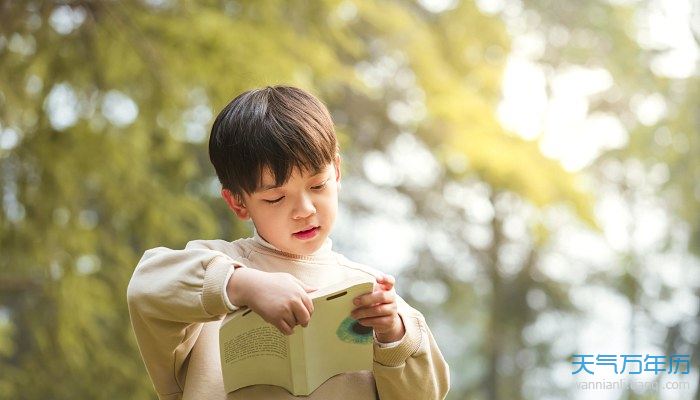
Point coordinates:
pixel 337 343
pixel 253 352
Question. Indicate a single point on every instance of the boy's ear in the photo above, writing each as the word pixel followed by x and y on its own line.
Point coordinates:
pixel 337 168
pixel 236 206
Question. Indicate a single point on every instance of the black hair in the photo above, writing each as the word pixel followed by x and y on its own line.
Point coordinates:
pixel 280 128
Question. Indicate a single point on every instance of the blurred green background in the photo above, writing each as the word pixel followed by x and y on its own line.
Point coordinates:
pixel 529 170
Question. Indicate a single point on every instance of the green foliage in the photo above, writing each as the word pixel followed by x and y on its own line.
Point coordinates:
pixel 83 202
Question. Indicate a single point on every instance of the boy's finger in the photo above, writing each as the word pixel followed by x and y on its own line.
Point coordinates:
pixel 301 315
pixel 283 326
pixel 308 303
pixel 374 311
pixel 376 321
pixel 374 298
pixel 386 282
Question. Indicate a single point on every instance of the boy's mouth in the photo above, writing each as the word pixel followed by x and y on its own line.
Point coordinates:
pixel 307 229
pixel 307 233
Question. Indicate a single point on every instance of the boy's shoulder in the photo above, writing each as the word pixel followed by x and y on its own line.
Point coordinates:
pixel 237 248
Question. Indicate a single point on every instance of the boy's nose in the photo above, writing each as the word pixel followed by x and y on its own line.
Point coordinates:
pixel 304 208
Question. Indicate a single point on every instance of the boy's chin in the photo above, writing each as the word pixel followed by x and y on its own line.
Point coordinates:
pixel 307 248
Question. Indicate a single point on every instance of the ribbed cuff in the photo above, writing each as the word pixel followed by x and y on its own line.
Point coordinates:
pixel 224 292
pixel 213 298
pixel 407 346
pixel 388 344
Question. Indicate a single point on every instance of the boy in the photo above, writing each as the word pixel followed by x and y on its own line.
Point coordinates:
pixel 275 153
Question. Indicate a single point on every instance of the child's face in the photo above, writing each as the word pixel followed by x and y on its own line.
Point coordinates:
pixel 303 201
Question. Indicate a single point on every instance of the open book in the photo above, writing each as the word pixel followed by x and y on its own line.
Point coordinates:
pixel 254 352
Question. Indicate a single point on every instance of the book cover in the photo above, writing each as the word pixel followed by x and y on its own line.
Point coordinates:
pixel 254 352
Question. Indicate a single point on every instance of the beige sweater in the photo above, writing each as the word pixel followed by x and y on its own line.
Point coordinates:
pixel 177 299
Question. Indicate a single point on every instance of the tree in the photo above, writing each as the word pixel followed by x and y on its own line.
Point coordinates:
pixel 104 108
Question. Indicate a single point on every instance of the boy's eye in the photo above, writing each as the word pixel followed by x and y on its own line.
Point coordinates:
pixel 274 201
pixel 319 187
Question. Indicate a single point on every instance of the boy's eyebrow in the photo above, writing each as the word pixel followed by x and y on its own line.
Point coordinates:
pixel 265 188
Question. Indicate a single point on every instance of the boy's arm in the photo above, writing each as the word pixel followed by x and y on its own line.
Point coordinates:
pixel 172 292
pixel 413 367
pixel 170 295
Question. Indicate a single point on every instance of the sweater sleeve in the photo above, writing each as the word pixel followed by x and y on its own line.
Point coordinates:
pixel 414 368
pixel 170 295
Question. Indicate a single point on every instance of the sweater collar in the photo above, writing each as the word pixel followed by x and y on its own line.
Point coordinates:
pixel 324 251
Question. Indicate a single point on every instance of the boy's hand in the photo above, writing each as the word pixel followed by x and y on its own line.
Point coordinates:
pixel 278 297
pixel 378 310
